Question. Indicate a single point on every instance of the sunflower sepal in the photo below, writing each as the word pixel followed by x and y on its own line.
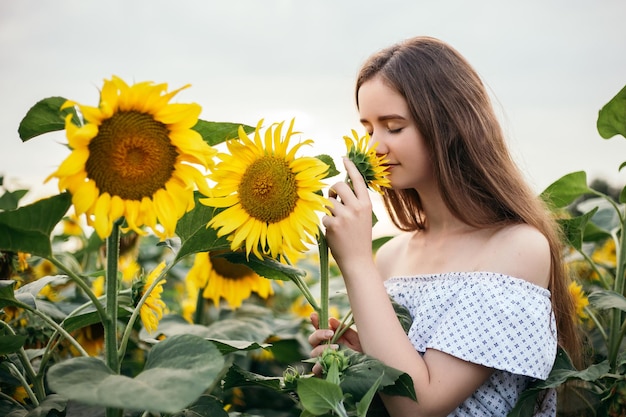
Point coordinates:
pixel 332 168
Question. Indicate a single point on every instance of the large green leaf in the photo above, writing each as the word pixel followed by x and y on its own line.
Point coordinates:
pixel 45 116
pixel 319 396
pixel 566 189
pixel 363 372
pixel 195 235
pixel 178 370
pixel 28 228
pixel 612 117
pixel 215 133
pixel 228 335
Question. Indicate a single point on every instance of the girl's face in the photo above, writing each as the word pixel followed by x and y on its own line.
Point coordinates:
pixel 385 115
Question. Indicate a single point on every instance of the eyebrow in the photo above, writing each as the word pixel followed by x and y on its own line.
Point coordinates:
pixel 386 117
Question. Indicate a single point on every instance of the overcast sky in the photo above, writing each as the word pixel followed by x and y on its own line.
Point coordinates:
pixel 550 66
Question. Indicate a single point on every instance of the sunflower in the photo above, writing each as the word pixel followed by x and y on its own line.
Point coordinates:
pixel 134 157
pixel 270 196
pixel 152 310
pixel 371 166
pixel 220 278
pixel 580 300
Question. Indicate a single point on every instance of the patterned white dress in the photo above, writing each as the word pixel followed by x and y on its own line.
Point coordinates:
pixel 487 318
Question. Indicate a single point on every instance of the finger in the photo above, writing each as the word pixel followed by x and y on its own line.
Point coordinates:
pixel 319 336
pixel 360 188
pixel 315 320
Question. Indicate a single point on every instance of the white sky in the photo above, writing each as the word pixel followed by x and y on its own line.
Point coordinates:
pixel 550 64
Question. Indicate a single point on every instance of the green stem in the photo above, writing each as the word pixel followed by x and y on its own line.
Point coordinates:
pixel 324 278
pixel 133 317
pixel 304 289
pixel 198 315
pixel 110 324
pixel 616 335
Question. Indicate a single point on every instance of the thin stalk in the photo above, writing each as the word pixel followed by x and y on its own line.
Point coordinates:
pixel 304 289
pixel 343 327
pixel 55 326
pixel 133 317
pixel 81 283
pixel 324 278
pixel 599 325
pixel 28 367
pixel 16 373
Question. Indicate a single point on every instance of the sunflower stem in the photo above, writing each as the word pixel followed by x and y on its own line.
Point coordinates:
pixel 110 325
pixel 324 277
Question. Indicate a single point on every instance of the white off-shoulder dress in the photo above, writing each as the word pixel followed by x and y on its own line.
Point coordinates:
pixel 487 318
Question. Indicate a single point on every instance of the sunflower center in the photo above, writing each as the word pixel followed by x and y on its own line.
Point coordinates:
pixel 228 269
pixel 132 156
pixel 268 189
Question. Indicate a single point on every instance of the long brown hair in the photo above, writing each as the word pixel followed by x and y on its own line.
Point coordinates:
pixel 478 179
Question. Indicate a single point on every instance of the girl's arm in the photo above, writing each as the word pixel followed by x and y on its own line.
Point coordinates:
pixel 441 381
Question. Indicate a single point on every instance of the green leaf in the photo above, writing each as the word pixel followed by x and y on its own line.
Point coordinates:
pixel 206 406
pixel 25 295
pixel 565 190
pixel 10 199
pixel 574 228
pixel 363 372
pixel 11 343
pixel 28 229
pixel 178 370
pixel 332 168
pixel 45 116
pixel 319 396
pixel 195 235
pixel 239 377
pixel 612 117
pixel 52 406
pixel 605 300
pixel 363 405
pixel 267 267
pixel 215 133
pixel 228 335
pixel 91 316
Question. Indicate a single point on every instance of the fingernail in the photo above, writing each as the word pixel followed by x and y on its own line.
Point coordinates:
pixel 329 333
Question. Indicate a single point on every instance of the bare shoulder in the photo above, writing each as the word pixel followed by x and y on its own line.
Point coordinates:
pixel 520 251
pixel 387 254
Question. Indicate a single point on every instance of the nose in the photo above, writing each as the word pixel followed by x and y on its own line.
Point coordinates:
pixel 379 146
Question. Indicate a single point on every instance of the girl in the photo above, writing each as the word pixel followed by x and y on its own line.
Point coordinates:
pixel 478 262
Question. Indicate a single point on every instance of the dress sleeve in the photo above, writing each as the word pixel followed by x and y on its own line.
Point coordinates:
pixel 507 325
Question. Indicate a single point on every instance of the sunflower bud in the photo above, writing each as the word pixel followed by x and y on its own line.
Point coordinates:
pixel 330 357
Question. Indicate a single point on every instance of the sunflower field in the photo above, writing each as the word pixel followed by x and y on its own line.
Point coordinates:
pixel 175 271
